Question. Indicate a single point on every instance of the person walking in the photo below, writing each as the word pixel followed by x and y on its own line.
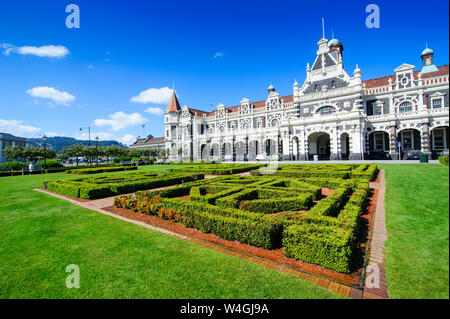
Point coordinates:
pixel 31 167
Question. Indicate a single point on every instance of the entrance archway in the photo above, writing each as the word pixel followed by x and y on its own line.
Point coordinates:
pixel 269 147
pixel 378 147
pixel 295 148
pixel 253 149
pixel 345 146
pixel 215 153
pixel 410 140
pixel 439 141
pixel 204 151
pixel 319 144
pixel 240 151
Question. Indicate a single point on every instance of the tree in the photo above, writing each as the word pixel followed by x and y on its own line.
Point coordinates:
pixel 14 152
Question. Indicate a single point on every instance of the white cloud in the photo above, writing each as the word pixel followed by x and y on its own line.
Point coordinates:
pixel 90 66
pixel 45 92
pixel 121 120
pixel 154 110
pixel 45 51
pixel 153 95
pixel 218 55
pixel 128 139
pixel 16 128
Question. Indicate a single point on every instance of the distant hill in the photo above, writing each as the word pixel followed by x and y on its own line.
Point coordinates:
pixel 58 142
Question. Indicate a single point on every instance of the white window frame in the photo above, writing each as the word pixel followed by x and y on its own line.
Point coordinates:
pixel 375 141
pixel 442 129
pixel 410 105
pixel 403 139
pixel 437 99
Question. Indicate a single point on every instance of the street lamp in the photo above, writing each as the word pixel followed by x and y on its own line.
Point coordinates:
pixel 89 130
pixel 96 148
pixel 45 150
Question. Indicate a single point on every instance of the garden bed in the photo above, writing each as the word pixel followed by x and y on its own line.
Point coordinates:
pixel 313 220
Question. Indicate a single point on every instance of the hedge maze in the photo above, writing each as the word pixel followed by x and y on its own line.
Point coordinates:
pixel 286 209
pixel 110 185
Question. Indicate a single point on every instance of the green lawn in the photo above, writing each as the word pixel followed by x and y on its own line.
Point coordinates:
pixel 417 220
pixel 41 235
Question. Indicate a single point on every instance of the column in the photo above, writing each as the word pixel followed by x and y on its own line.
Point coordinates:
pixel 233 145
pixel 393 142
pixel 303 147
pixel 425 138
pixel 334 146
pixel 246 149
pixel 261 146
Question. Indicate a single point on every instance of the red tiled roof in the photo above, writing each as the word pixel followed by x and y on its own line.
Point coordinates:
pixel 373 83
pixel 197 112
pixel 173 105
pixel 155 140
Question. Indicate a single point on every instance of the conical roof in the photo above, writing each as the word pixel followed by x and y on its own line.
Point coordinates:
pixel 173 105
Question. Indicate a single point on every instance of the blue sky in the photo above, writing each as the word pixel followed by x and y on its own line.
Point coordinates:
pixel 215 52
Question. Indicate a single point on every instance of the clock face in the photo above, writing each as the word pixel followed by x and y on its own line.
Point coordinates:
pixel 428 61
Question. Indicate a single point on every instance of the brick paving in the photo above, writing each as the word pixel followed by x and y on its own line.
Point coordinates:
pixel 376 248
pixel 376 258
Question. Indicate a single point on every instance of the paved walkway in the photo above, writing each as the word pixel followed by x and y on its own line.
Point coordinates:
pixel 376 264
pixel 376 251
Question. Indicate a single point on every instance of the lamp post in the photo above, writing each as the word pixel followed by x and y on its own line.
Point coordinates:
pixel 45 150
pixel 89 132
pixel 96 148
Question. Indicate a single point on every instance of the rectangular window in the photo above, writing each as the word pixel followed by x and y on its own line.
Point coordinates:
pixel 437 103
pixel 379 141
pixel 377 109
pixel 438 137
pixel 407 140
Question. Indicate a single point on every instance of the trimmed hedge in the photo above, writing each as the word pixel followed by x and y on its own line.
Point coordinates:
pixel 104 186
pixel 268 206
pixel 443 160
pixel 325 240
pixel 330 247
pixel 97 170
pixel 331 205
pixel 218 169
pixel 366 171
pixel 230 224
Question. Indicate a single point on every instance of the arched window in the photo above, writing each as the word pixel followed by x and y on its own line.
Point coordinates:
pixel 326 110
pixel 274 122
pixel 405 107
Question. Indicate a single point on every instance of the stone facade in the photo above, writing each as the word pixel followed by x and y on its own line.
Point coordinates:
pixel 331 116
pixel 10 140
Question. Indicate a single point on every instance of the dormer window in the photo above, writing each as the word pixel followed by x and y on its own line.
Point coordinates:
pixel 326 110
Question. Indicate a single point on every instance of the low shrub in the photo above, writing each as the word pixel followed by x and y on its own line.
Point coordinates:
pixel 275 205
pixel 330 247
pixel 331 205
pixel 49 163
pixel 443 160
pixel 97 170
pixel 14 165
pixel 366 171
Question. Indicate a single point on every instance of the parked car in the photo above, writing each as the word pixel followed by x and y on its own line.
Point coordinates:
pixel 412 155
